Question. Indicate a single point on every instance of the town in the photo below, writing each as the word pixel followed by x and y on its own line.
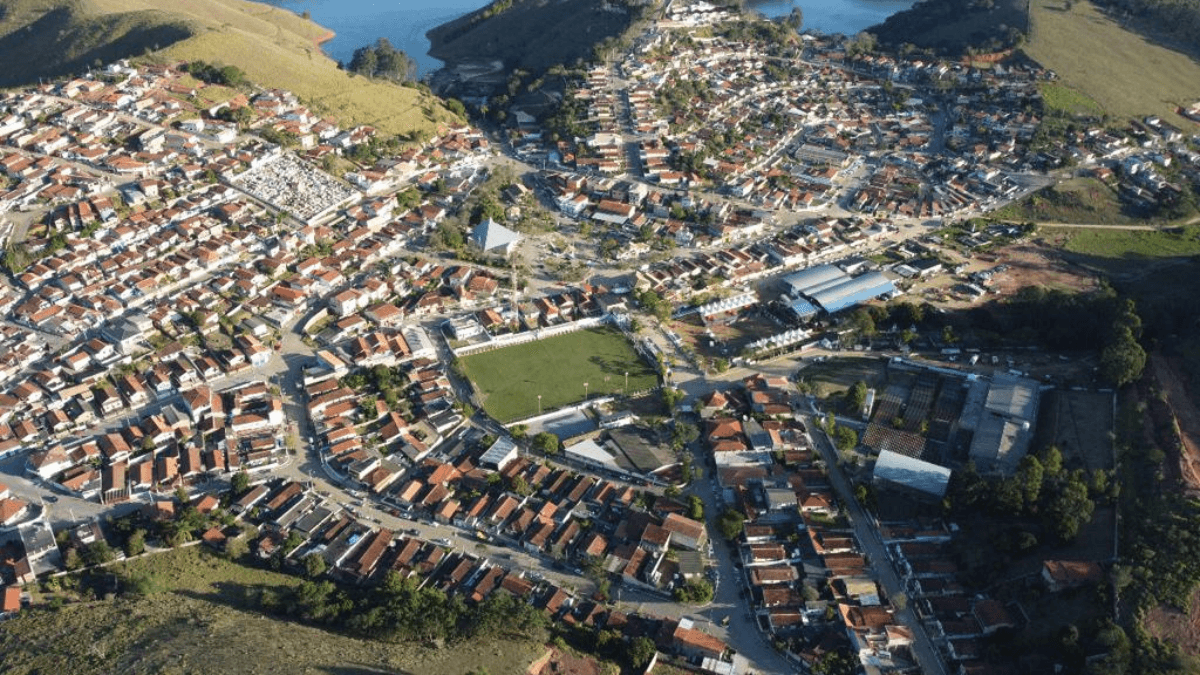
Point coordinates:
pixel 612 361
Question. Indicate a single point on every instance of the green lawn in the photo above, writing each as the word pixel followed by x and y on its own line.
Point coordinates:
pixel 1067 100
pixel 510 379
pixel 1125 244
pixel 1099 61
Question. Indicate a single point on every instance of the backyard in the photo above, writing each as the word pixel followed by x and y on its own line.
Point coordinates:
pixel 561 370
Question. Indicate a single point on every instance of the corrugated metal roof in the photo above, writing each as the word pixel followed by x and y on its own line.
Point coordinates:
pixel 1012 396
pixel 912 473
pixel 999 444
pixel 811 277
pixel 803 309
pixel 859 289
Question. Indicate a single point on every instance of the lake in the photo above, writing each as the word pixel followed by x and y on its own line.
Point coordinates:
pixel 405 22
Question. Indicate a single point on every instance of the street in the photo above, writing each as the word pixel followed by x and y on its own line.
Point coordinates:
pixel 872 546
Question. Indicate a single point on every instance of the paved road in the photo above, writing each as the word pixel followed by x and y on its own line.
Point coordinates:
pixel 868 539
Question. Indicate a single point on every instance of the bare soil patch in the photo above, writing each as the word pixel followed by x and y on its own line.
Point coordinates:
pixel 1030 264
pixel 1187 418
pixel 1175 627
pixel 558 662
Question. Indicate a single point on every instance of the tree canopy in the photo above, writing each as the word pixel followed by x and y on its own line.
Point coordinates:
pixel 384 61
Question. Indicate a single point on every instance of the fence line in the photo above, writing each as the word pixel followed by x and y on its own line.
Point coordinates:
pixel 531 335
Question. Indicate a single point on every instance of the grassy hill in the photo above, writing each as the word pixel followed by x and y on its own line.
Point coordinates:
pixel 951 27
pixel 1130 76
pixel 53 38
pixel 196 620
pixel 533 35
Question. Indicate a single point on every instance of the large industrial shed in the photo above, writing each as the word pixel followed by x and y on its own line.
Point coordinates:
pixel 850 293
pixel 808 279
pixel 915 477
pixel 831 289
pixel 1005 426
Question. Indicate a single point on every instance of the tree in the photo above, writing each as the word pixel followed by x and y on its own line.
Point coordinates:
pixel 521 486
pixel 641 650
pixel 1122 360
pixel 697 592
pixel 856 396
pixel 136 543
pixel 314 565
pixel 684 433
pixel 73 561
pixel 1030 475
pixel 795 20
pixel 546 443
pixel 98 553
pixel 1070 509
pixel 862 323
pixel 236 547
pixel 695 508
pixel 1052 461
pixel 239 483
pixel 731 523
pixel 845 439
pixel 671 397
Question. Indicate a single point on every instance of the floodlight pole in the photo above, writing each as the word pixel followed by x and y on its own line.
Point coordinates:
pixel 585 391
pixel 627 383
pixel 539 404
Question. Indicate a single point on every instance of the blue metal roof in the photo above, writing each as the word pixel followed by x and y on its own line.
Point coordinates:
pixel 854 291
pixel 802 308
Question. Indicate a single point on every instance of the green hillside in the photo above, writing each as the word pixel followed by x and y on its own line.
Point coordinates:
pixel 1131 76
pixel 534 35
pixel 54 38
pixel 200 616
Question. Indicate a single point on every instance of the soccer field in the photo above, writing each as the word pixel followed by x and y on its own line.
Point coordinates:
pixel 510 379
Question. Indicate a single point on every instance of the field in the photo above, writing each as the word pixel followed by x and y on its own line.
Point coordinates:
pixel 1031 265
pixel 1130 244
pixel 1078 422
pixel 196 622
pixel 1077 201
pixel 1069 101
pixel 1125 73
pixel 275 48
pixel 511 379
pixel 838 374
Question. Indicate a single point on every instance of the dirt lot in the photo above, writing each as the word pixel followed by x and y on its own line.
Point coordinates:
pixel 1175 627
pixel 1166 372
pixel 1029 264
pixel 728 339
pixel 558 662
pixel 838 374
pixel 1078 422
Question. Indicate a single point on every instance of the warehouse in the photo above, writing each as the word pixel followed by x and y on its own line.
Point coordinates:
pixel 850 293
pixel 1005 426
pixel 832 290
pixel 804 281
pixel 914 477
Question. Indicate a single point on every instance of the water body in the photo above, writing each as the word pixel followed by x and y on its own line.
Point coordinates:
pixel 361 22
pixel 833 16
pixel 405 22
